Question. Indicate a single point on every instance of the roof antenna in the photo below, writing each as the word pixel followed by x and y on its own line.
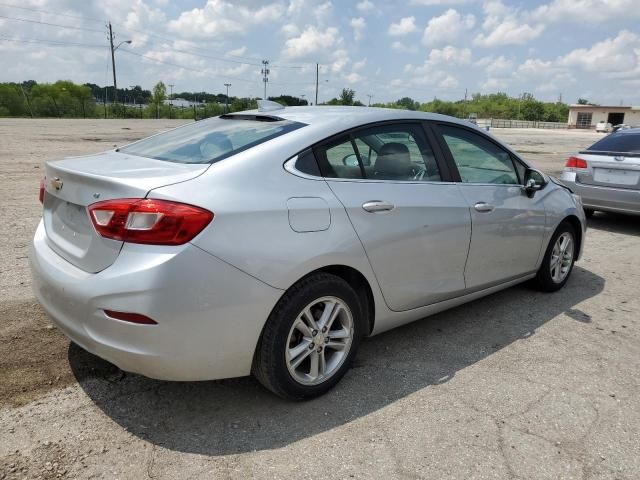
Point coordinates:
pixel 268 106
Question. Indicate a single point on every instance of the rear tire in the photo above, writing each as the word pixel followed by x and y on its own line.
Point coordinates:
pixel 558 260
pixel 588 212
pixel 298 336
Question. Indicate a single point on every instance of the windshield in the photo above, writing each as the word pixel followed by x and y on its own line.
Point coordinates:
pixel 622 142
pixel 209 141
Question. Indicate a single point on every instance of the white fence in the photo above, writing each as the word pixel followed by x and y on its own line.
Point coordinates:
pixel 500 123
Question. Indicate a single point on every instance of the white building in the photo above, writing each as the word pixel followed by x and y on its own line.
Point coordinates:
pixel 181 103
pixel 587 116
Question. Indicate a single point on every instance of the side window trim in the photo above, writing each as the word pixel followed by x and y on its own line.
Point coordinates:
pixel 449 156
pixel 447 173
pixel 357 150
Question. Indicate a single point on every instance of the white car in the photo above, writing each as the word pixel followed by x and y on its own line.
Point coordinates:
pixel 603 127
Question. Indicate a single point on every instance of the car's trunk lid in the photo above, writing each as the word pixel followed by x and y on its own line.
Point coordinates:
pixel 75 183
pixel 610 169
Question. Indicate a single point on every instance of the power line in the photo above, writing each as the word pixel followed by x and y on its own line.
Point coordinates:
pixel 77 17
pixel 51 24
pixel 53 43
pixel 227 57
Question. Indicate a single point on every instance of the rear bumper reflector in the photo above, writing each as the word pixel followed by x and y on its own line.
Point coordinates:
pixel 131 317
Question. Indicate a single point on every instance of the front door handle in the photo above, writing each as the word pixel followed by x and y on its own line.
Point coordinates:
pixel 483 207
pixel 375 206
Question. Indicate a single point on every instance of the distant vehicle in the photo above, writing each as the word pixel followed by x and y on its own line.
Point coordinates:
pixel 607 174
pixel 473 118
pixel 272 241
pixel 603 127
pixel 621 126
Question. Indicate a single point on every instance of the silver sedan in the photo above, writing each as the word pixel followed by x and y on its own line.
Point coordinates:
pixel 272 241
pixel 607 174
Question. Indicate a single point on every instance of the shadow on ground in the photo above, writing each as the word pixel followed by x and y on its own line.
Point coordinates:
pixel 233 416
pixel 615 223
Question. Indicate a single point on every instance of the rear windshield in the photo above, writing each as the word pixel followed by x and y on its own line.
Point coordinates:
pixel 211 140
pixel 619 143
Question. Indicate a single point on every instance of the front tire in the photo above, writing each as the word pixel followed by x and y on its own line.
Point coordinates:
pixel 558 260
pixel 310 338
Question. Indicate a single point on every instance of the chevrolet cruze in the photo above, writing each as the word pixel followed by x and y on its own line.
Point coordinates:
pixel 272 241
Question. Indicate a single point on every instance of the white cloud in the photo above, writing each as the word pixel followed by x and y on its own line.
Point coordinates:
pixel 366 6
pixel 504 25
pixel 360 65
pixel 237 51
pixel 618 54
pixel 586 11
pixel 428 3
pixel 220 17
pixel 447 27
pixel 353 77
pixel 290 30
pixel 450 55
pixel 509 32
pixel 311 41
pixel 495 65
pixel 358 25
pixel 403 48
pixel 405 26
pixel 323 11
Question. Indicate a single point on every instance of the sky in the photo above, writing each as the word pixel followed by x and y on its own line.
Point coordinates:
pixel 383 50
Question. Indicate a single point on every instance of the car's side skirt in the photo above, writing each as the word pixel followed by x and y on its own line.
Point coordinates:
pixel 396 319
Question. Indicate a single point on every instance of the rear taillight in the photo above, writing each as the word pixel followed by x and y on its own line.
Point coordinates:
pixel 148 221
pixel 41 194
pixel 575 162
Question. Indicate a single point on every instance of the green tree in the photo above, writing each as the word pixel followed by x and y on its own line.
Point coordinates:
pixel 346 96
pixel 583 101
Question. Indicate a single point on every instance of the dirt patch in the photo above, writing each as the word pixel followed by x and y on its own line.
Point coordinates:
pixel 34 355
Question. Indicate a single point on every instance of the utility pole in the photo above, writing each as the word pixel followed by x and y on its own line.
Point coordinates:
pixel 369 102
pixel 113 62
pixel 171 85
pixel 464 105
pixel 226 101
pixel 317 77
pixel 265 76
pixel 132 87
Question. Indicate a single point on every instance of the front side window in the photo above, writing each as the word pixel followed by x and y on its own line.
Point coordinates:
pixel 211 140
pixel 389 152
pixel 478 159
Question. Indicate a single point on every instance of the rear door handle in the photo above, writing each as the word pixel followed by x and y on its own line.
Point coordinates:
pixel 375 206
pixel 483 207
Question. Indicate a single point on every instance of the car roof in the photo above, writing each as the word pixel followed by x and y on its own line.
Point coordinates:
pixel 345 117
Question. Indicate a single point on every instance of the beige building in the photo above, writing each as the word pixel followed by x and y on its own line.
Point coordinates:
pixel 587 116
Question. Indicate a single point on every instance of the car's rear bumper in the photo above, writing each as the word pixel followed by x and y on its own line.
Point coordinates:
pixel 209 313
pixel 608 199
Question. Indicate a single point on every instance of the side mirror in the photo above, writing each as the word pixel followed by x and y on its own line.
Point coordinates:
pixel 534 180
pixel 351 160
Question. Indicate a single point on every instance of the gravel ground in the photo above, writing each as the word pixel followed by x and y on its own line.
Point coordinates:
pixel 516 385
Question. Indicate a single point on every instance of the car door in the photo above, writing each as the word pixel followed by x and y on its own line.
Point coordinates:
pixel 413 224
pixel 507 225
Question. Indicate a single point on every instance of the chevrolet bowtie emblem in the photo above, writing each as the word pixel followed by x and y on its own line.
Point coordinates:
pixel 56 183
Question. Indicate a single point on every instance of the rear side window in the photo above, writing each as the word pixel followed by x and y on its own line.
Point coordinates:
pixel 395 152
pixel 619 143
pixel 209 141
